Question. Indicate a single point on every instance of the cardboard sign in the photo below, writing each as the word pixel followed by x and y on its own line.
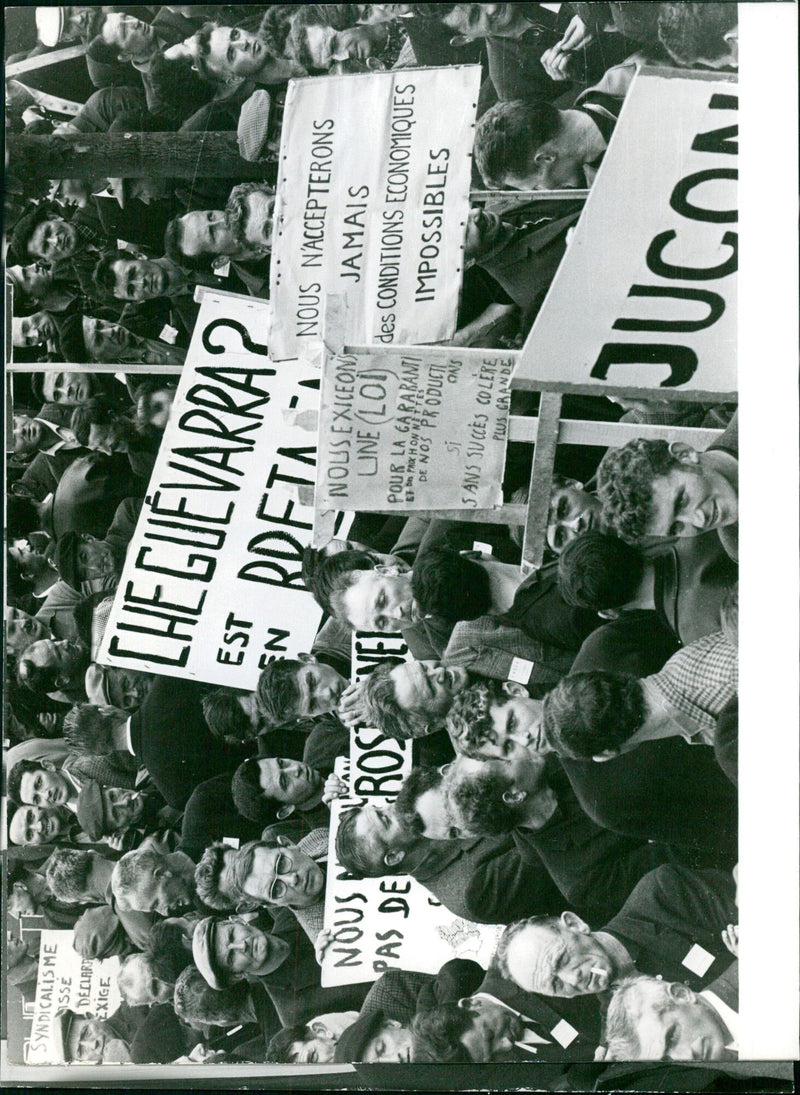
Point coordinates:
pixel 65 980
pixel 372 202
pixel 660 274
pixel 212 586
pixel 413 428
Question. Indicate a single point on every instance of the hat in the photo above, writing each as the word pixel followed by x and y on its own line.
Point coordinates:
pixel 49 25
pixel 95 685
pixel 98 933
pixel 66 558
pixel 17 250
pixel 60 1026
pixel 203 951
pixel 252 131
pixel 71 342
pixel 354 1039
pixel 91 810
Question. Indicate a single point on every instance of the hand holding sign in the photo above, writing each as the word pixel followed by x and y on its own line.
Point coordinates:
pixel 334 788
pixel 730 937
pixel 351 708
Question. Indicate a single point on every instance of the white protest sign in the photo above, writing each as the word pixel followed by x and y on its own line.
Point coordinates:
pixel 378 763
pixel 413 428
pixel 65 980
pixel 655 252
pixel 372 201
pixel 212 588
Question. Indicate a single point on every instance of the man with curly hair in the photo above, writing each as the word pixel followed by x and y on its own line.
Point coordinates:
pixel 404 699
pixel 655 489
pixel 495 719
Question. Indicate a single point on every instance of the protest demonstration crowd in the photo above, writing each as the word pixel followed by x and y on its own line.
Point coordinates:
pixel 572 730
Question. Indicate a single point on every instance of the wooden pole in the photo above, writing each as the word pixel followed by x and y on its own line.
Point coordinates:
pixel 129 155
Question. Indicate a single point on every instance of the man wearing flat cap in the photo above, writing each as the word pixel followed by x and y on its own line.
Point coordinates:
pixel 98 933
pixel 375 1039
pixel 118 812
pixel 141 1035
pixel 234 949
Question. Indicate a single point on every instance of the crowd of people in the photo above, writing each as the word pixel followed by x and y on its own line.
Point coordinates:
pixel 574 733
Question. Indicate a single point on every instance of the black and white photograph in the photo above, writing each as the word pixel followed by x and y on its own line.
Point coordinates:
pixel 371 696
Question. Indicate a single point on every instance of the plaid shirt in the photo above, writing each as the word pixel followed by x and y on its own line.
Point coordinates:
pixel 697 682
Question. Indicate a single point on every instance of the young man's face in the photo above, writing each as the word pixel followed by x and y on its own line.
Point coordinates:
pixel 516 728
pixel 32 280
pixel 206 232
pixel 494 1028
pixel 94 558
pixel 392 1043
pixel 690 500
pixel 38 824
pixel 105 341
pixel 129 35
pixel 377 601
pixel 484 230
pixel 481 20
pixel 284 876
pixel 33 330
pixel 556 961
pixel 573 511
pixel 550 167
pixel 320 687
pixel 52 240
pixel 45 788
pixel 241 949
pixel 22 629
pixel 427 686
pixel 288 781
pixel 676 1025
pixel 139 279
pixel 127 689
pixel 325 45
pixel 235 52
pixel 67 389
pixel 68 656
pixel 122 808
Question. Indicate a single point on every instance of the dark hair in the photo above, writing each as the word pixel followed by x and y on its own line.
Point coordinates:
pixel 197 1004
pixel 478 799
pixel 450 585
pixel 277 691
pixel 22 231
pixel 67 875
pixel 691 32
pixel 280 1044
pixel 437 1034
pixel 336 574
pixel 207 877
pixel 87 729
pixel 248 797
pixel 599 571
pixel 165 951
pixel 591 713
pixel 14 779
pixel 275 26
pixel 360 860
pixel 173 241
pixel 295 44
pixel 468 722
pixel 96 412
pixel 419 780
pixel 625 480
pixel 21 517
pixel 38 678
pixel 225 716
pixel 144 398
pixel 103 275
pixel 381 707
pixel 509 134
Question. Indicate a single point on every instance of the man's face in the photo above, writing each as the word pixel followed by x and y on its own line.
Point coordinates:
pixel 33 330
pixel 104 341
pixel 52 240
pixel 127 688
pixel 27 433
pixel 427 686
pixel 288 781
pixel 21 902
pixel 551 167
pixel 284 876
pixel 484 231
pixel 90 1043
pixel 516 728
pixel 33 280
pixel 68 389
pixel 235 52
pixel 431 808
pixel 676 1025
pixel 258 209
pixel 129 35
pixel 139 279
pixel 494 1029
pixel 378 829
pixel 22 629
pixel 38 824
pixel 481 20
pixel 159 407
pixel 316 1051
pixel 45 788
pixel 244 949
pixel 320 688
pixel 690 500
pixel 206 232
pixel 68 656
pixel 94 558
pixel 392 1043
pixel 355 44
pixel 573 511
pixel 378 601
pixel 165 888
pixel 556 961
pixel 141 987
pixel 122 808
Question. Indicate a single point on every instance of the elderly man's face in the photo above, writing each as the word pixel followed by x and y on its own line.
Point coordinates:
pixel 674 1024
pixel 39 825
pixel 94 558
pixel 165 888
pixel 427 686
pixel 53 239
pixel 68 389
pixel 23 629
pixel 68 656
pixel 122 808
pixel 33 330
pixel 206 232
pixel 556 961
pixel 378 600
pixel 241 949
pixel 127 688
pixel 325 45
pixel 284 876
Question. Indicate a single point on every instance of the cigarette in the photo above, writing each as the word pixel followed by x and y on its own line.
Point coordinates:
pixel 597 970
pixel 233 1030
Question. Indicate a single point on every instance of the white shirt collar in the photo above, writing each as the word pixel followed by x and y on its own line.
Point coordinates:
pixel 729 1017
